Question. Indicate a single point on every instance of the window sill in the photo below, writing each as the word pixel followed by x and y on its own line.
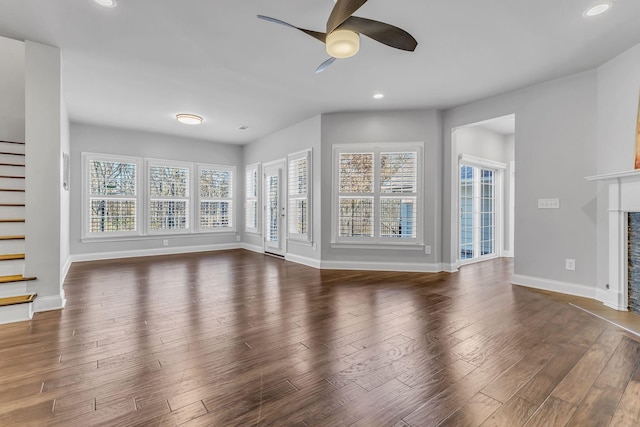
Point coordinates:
pixel 387 246
pixel 156 236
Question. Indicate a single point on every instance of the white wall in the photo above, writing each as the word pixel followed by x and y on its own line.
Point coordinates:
pixel 556 133
pixel 44 128
pixel 421 126
pixel 276 146
pixel 618 93
pixel 486 144
pixel 97 139
pixel 65 195
pixel 12 101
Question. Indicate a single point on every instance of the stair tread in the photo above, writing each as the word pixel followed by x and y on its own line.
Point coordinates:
pixel 19 299
pixel 11 204
pixel 12 220
pixel 12 189
pixel 12 176
pixel 15 278
pixel 12 154
pixel 11 237
pixel 10 257
pixel 13 142
pixel 11 164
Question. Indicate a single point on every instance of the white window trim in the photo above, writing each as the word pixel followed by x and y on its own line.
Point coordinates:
pixel 190 208
pixel 143 199
pixel 86 197
pixel 377 242
pixel 258 168
pixel 196 205
pixel 308 236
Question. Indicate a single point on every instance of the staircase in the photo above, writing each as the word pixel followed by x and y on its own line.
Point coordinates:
pixel 16 303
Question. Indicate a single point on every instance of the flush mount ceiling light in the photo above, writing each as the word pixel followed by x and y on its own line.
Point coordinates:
pixel 189 119
pixel 378 96
pixel 343 43
pixel 107 3
pixel 597 9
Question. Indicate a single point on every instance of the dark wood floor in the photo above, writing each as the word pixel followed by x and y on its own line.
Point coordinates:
pixel 237 338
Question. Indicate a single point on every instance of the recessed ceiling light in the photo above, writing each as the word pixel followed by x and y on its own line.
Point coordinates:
pixel 189 119
pixel 597 9
pixel 378 96
pixel 107 3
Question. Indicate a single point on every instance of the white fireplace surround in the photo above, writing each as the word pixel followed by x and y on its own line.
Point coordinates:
pixel 624 197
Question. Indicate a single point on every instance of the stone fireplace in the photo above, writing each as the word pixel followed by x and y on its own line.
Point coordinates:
pixel 624 233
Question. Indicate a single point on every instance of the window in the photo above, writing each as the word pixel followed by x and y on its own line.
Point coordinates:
pixel 168 196
pixel 216 197
pixel 252 181
pixel 299 192
pixel 112 189
pixel 178 197
pixel 377 194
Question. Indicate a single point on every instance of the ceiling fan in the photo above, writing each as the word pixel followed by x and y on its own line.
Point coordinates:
pixel 342 36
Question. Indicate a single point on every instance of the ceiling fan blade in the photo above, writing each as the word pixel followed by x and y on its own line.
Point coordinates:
pixel 381 32
pixel 315 34
pixel 325 64
pixel 341 11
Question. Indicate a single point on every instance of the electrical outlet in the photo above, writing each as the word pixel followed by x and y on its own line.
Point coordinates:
pixel 427 250
pixel 570 264
pixel 548 203
pixel 165 242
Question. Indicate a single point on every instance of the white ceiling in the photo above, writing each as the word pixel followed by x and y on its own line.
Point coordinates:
pixel 137 65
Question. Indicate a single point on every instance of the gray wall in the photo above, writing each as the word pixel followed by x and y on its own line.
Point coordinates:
pixel 276 146
pixel 44 127
pixel 422 126
pixel 486 144
pixel 618 90
pixel 556 133
pixel 12 101
pixel 97 139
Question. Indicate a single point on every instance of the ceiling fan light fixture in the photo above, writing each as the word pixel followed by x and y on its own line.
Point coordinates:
pixel 107 3
pixel 189 119
pixel 343 43
pixel 597 9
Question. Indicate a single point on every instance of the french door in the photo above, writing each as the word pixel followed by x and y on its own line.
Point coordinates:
pixel 274 208
pixel 479 212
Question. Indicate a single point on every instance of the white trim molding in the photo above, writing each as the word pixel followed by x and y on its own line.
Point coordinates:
pixel 309 262
pixel 49 303
pixel 417 267
pixel 252 248
pixel 575 289
pixel 97 256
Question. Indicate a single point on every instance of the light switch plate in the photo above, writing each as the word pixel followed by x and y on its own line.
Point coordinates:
pixel 548 203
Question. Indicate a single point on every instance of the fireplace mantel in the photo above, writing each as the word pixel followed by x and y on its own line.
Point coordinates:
pixel 624 197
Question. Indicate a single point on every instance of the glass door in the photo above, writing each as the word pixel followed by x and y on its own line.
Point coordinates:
pixel 274 209
pixel 477 213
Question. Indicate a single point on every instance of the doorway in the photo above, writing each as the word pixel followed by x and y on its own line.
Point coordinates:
pixel 274 208
pixel 483 190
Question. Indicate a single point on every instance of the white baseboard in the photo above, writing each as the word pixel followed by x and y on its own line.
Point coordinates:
pixel 56 302
pixel 252 248
pixel 507 254
pixel 554 286
pixel 309 262
pixel 450 268
pixel 97 256
pixel 381 266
